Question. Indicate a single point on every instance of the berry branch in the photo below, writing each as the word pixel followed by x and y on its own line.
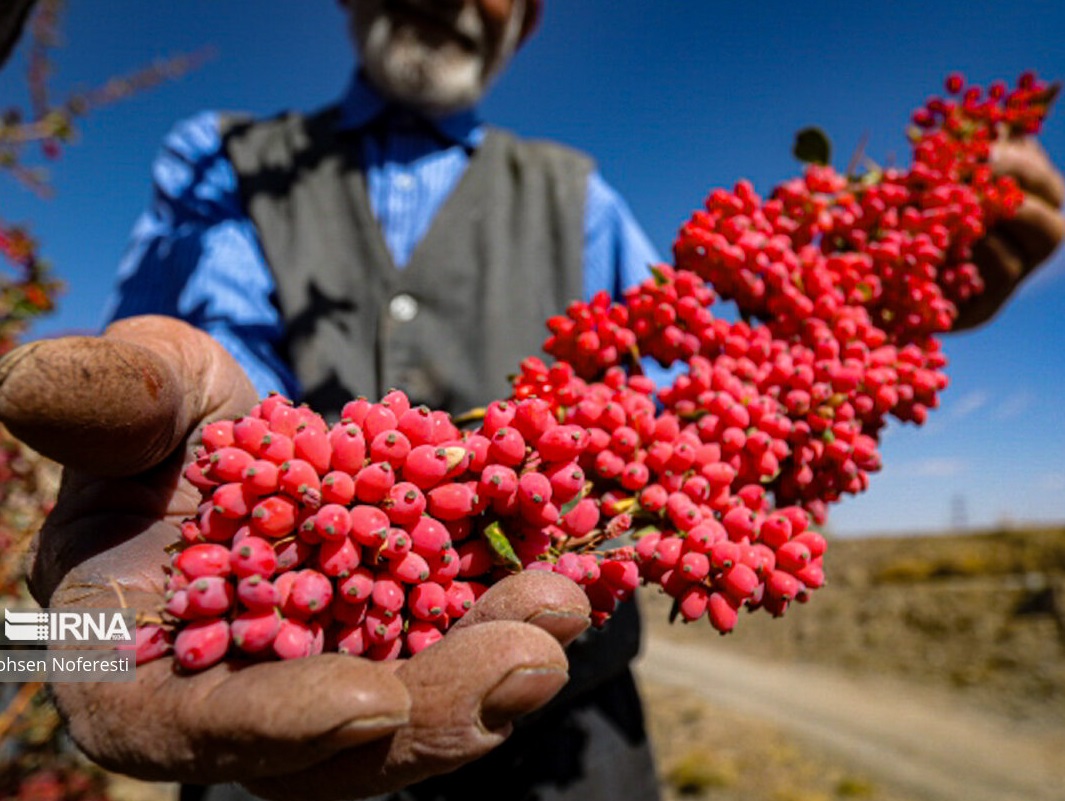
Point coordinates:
pixel 373 535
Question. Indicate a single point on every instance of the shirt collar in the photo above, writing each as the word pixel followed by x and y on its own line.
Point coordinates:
pixel 362 105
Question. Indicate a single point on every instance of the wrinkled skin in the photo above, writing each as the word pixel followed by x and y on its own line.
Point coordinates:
pixel 118 411
pixel 1014 248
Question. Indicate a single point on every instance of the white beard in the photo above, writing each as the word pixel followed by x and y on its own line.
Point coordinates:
pixel 435 77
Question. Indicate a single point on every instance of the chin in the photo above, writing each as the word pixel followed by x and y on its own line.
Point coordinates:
pixel 434 79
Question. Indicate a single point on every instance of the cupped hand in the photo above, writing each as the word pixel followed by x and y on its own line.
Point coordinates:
pixel 121 412
pixel 1014 248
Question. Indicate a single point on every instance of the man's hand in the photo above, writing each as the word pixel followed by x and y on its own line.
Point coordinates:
pixel 1015 247
pixel 119 411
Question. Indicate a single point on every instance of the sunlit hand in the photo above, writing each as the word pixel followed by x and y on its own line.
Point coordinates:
pixel 1014 248
pixel 119 412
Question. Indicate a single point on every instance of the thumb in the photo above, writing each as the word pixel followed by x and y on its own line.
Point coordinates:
pixel 118 404
pixel 236 722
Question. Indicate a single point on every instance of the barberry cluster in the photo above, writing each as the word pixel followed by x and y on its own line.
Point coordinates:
pixel 373 535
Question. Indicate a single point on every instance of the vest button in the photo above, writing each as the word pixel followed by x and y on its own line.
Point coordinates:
pixel 403 308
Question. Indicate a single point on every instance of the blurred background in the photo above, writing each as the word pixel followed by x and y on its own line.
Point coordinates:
pixel 672 99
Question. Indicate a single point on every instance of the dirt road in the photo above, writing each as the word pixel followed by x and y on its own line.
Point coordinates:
pixel 918 741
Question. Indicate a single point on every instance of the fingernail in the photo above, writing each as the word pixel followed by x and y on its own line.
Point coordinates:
pixel 520 692
pixel 364 730
pixel 564 626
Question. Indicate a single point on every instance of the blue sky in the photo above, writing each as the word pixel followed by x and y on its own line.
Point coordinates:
pixel 673 98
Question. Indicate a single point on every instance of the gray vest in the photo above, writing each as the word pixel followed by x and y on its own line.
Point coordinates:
pixel 503 254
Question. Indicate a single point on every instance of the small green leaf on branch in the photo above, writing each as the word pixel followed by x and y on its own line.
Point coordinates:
pixel 571 504
pixel 812 146
pixel 499 545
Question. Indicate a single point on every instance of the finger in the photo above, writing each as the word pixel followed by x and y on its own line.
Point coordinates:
pixel 480 679
pixel 234 723
pixel 1027 162
pixel 1001 267
pixel 547 600
pixel 465 692
pixel 1036 229
pixel 1009 252
pixel 117 404
pixel 91 404
pixel 219 386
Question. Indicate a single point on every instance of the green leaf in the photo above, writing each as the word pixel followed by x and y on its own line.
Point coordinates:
pixel 812 146
pixel 499 544
pixel 571 504
pixel 872 177
pixel 643 532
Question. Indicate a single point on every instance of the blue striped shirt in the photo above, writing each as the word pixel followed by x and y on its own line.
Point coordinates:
pixel 194 254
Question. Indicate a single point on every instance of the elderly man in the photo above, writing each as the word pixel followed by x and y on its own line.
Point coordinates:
pixel 390 240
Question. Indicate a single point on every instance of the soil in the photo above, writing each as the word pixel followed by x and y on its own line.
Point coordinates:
pixel 930 668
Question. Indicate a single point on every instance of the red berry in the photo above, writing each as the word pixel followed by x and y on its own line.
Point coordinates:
pixel 257 594
pixel 209 596
pixel 300 480
pixel 254 632
pixel 430 536
pixel 420 635
pixel 338 487
pixel 152 642
pixel 201 644
pixel 228 464
pixel 722 612
pixel 274 516
pixel 352 640
pixel 693 602
pixel 373 482
pixel 508 447
pixel 347 448
pixel 218 435
pixel 252 556
pixel 451 501
pixel 338 558
pixel 369 525
pixel 390 446
pixel 427 601
pixel 310 594
pixel 203 560
pixel 261 477
pixel 411 568
pixel 311 444
pixel 358 586
pixel 405 504
pixel 383 626
pixel 295 640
